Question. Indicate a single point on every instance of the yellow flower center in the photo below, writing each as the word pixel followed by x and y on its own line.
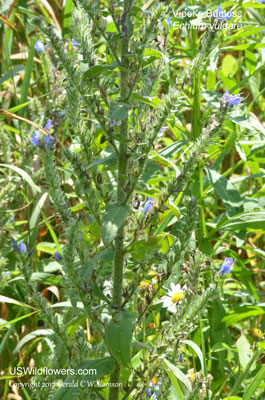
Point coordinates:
pixel 177 296
pixel 155 381
pixel 143 285
pixel 191 376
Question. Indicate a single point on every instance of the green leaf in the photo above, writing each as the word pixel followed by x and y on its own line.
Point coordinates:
pixel 253 5
pixel 45 278
pixel 97 70
pixel 33 222
pixel 233 398
pixel 155 54
pixel 251 61
pixel 67 17
pixel 126 332
pixel 152 101
pixel 259 379
pixel 244 350
pixel 240 313
pixel 13 321
pixel 112 339
pixel 229 65
pixel 167 242
pixel 178 374
pixel 248 220
pixel 30 336
pixel 27 75
pixel 4 299
pixel 109 161
pixel 224 189
pixel 113 219
pixel 25 176
pixel 46 247
pixel 197 350
pixel 11 74
pixel 118 337
pixel 143 248
pixel 118 111
pixel 101 367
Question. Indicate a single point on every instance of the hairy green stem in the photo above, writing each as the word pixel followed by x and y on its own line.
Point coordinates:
pixel 121 198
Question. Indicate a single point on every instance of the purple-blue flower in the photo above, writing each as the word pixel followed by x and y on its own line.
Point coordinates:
pixel 222 15
pixel 35 139
pixel 148 206
pixel 48 141
pixel 169 22
pixel 19 248
pixel 227 266
pixel 232 100
pixel 261 1
pixel 62 113
pixel 58 256
pixel 6 274
pixel 75 43
pixel 39 46
pixel 48 124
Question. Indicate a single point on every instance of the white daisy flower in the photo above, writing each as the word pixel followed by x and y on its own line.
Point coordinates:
pixel 173 296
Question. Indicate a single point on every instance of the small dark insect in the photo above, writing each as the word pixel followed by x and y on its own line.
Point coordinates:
pixel 99 178
pixel 102 139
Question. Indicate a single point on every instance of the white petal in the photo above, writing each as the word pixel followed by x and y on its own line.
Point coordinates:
pixel 172 308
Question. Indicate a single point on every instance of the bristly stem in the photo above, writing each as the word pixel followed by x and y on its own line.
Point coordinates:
pixel 121 198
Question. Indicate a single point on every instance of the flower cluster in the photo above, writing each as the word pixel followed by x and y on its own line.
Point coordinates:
pixel 222 15
pixel 18 248
pixel 47 141
pixel 232 100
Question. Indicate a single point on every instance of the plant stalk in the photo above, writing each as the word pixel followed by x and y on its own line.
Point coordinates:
pixel 121 196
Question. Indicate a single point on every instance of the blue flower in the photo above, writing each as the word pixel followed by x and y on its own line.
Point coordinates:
pixel 39 46
pixel 148 206
pixel 6 274
pixel 11 219
pixel 261 1
pixel 74 43
pixel 48 124
pixel 169 22
pixel 227 266
pixel 48 141
pixel 222 15
pixel 21 248
pixel 35 139
pixel 58 256
pixel 62 113
pixel 232 100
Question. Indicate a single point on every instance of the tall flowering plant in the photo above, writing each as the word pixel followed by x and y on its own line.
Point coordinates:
pixel 135 285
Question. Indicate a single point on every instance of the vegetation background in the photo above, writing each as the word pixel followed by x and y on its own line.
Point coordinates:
pixel 221 355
